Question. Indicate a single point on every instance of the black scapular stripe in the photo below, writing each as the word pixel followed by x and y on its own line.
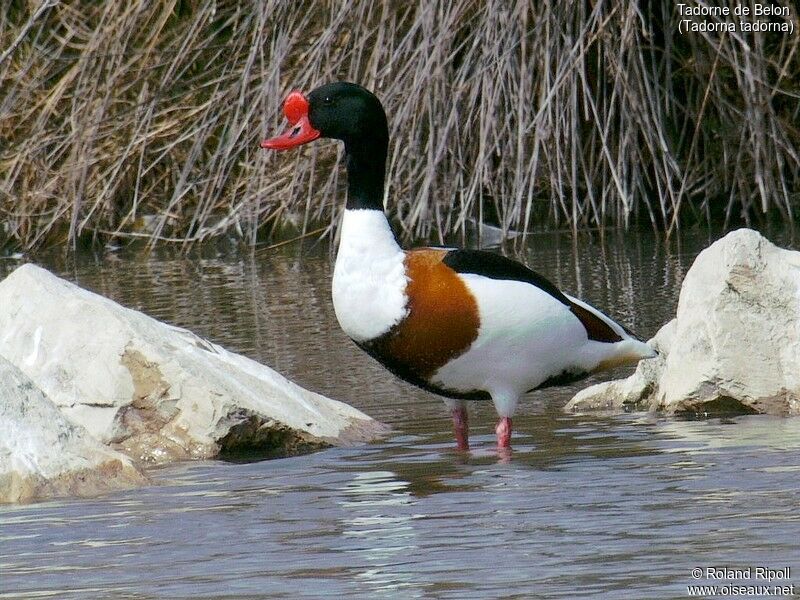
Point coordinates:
pixel 597 329
pixel 496 266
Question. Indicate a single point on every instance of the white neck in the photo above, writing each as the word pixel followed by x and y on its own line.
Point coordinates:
pixel 364 229
pixel 369 279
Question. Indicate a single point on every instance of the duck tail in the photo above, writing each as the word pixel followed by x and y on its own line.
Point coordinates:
pixel 625 346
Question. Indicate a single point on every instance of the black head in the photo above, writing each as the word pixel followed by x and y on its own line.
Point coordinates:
pixel 340 110
pixel 347 112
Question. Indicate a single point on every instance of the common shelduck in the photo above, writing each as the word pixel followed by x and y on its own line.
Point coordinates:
pixel 464 324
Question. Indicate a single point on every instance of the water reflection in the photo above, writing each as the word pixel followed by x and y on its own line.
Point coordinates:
pixel 587 506
pixel 376 531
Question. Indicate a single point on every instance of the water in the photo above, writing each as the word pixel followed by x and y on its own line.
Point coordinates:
pixel 587 506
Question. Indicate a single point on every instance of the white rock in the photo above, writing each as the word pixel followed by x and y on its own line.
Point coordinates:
pixel 157 392
pixel 734 346
pixel 43 455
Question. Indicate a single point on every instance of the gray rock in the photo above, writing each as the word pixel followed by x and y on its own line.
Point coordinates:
pixel 734 346
pixel 158 393
pixel 44 455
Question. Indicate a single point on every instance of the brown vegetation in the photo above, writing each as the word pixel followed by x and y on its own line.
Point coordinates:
pixel 142 118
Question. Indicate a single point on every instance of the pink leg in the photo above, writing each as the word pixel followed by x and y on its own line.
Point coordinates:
pixel 461 427
pixel 503 431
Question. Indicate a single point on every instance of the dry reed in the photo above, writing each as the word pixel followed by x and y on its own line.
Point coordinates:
pixel 141 119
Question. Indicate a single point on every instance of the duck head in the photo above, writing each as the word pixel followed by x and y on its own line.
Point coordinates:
pixel 340 110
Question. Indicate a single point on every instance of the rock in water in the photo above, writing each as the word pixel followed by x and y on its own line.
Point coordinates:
pixel 43 455
pixel 158 393
pixel 734 346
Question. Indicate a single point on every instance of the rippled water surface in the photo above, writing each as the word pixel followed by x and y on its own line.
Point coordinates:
pixel 587 506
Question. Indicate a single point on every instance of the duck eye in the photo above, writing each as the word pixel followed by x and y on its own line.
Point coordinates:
pixel 327 100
